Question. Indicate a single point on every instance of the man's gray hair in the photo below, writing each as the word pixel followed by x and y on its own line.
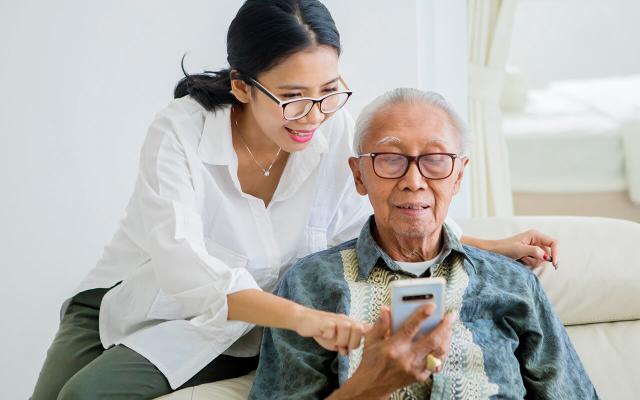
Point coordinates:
pixel 411 96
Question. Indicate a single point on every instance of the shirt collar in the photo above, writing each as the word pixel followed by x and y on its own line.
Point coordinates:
pixel 369 252
pixel 216 146
pixel 301 165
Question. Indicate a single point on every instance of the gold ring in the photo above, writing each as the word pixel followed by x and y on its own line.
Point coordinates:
pixel 433 363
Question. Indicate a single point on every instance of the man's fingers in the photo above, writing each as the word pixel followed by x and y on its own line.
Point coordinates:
pixel 380 329
pixel 411 326
pixel 437 341
pixel 423 375
pixel 447 322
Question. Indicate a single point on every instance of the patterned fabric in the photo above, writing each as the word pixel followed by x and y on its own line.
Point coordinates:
pixel 507 342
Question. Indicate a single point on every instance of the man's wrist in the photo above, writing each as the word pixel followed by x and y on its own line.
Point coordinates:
pixel 355 388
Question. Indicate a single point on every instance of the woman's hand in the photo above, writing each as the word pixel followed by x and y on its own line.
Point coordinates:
pixel 531 248
pixel 335 332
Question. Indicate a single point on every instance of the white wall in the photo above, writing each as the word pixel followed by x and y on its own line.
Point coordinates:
pixel 80 82
pixel 575 39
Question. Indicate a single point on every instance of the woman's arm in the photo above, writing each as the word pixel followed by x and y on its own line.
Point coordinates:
pixel 335 332
pixel 532 248
pixel 184 270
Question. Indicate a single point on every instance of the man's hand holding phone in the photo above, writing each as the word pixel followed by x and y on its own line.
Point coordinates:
pixel 392 361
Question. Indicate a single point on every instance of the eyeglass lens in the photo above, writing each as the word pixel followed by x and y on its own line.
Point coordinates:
pixel 433 166
pixel 299 108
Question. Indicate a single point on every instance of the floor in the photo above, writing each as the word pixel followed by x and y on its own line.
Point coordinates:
pixel 608 204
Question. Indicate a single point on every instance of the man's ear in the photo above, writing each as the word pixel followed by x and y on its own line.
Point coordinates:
pixel 240 89
pixel 354 164
pixel 460 175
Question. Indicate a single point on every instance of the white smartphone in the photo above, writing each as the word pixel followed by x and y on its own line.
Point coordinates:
pixel 408 295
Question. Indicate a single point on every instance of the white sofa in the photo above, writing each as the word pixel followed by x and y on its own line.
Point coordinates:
pixel 596 292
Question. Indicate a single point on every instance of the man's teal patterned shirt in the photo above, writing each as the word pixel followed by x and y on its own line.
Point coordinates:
pixel 507 343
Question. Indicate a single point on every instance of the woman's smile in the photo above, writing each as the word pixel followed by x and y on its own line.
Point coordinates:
pixel 299 135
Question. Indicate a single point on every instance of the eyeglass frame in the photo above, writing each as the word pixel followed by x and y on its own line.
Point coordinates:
pixel 410 160
pixel 315 101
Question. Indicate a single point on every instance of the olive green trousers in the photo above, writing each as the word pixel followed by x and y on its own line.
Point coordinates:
pixel 78 367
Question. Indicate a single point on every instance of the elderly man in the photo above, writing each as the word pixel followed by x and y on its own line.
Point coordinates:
pixel 500 336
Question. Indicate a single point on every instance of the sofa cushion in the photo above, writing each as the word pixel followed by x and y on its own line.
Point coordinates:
pixel 598 274
pixel 229 389
pixel 610 353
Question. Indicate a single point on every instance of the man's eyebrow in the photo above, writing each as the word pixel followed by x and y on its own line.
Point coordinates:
pixel 299 87
pixel 388 139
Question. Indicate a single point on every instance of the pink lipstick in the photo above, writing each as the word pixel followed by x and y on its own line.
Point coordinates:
pixel 300 136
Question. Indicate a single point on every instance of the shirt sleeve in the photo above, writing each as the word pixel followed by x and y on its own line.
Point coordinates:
pixel 292 366
pixel 170 213
pixel 550 366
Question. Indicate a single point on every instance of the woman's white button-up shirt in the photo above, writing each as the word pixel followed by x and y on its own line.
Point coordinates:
pixel 191 236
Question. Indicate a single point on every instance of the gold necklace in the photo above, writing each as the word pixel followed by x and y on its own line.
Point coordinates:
pixel 265 171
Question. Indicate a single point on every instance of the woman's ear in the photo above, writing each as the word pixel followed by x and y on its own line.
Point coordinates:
pixel 239 88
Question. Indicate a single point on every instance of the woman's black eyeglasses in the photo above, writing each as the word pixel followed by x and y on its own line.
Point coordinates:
pixel 299 107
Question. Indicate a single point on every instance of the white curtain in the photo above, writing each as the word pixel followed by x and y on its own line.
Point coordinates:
pixel 490 25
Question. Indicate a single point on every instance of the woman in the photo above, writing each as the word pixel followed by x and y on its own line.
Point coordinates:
pixel 245 172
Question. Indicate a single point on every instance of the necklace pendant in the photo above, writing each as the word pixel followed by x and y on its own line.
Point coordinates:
pixel 266 173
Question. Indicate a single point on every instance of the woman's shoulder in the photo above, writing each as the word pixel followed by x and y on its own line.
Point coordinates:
pixel 179 124
pixel 184 107
pixel 186 119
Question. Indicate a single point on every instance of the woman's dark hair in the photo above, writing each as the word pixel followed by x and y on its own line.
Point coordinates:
pixel 262 34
